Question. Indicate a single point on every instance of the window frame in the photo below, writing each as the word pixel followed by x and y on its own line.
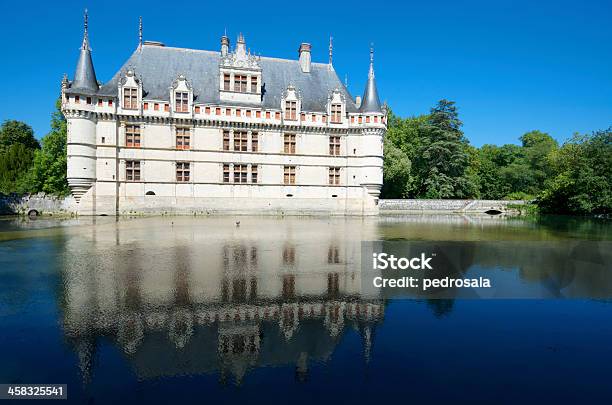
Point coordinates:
pixel 181 101
pixel 183 134
pixel 130 98
pixel 289 143
pixel 289 175
pixel 133 136
pixel 133 171
pixel 183 172
pixel 291 110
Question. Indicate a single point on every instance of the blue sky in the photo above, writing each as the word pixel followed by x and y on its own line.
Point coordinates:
pixel 511 66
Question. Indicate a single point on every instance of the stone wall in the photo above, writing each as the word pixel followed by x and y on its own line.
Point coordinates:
pixel 41 203
pixel 416 205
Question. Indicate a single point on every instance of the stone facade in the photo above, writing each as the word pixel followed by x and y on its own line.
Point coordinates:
pixel 186 131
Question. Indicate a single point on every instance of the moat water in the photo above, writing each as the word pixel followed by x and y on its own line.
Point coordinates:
pixel 274 310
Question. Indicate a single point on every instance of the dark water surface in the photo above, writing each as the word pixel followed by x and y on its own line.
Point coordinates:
pixel 200 310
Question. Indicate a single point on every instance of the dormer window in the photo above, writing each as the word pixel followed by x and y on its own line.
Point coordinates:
pixel 290 110
pixel 226 82
pixel 253 84
pixel 240 83
pixel 130 98
pixel 181 101
pixel 336 113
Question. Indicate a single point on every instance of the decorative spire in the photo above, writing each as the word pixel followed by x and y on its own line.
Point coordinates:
pixel 140 32
pixel 85 76
pixel 371 102
pixel 331 48
pixel 371 71
pixel 85 45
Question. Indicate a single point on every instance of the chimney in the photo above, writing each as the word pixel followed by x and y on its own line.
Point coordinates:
pixel 305 57
pixel 358 101
pixel 224 45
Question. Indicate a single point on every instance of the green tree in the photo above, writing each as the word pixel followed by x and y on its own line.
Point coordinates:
pixel 442 157
pixel 537 149
pixel 396 172
pixel 49 171
pixel 13 132
pixel 582 183
pixel 15 162
pixel 17 146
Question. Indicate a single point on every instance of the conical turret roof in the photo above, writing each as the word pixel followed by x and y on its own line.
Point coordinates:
pixel 371 102
pixel 85 75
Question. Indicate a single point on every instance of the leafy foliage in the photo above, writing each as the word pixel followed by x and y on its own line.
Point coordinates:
pixel 428 157
pixel 582 181
pixel 17 147
pixel 16 132
pixel 49 170
pixel 25 167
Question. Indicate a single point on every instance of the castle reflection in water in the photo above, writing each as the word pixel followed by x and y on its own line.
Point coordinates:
pixel 185 300
pixel 189 296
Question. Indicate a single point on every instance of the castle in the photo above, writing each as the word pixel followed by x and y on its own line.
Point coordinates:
pixel 187 131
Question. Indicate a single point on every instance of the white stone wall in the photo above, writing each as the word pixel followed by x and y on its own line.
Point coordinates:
pixel 97 150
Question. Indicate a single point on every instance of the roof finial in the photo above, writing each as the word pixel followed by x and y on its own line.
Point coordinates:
pixel 140 32
pixel 331 48
pixel 85 37
pixel 371 72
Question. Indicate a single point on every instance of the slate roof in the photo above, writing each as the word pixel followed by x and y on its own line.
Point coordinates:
pixel 370 101
pixel 159 66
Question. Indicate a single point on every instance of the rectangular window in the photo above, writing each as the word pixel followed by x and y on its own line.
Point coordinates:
pixel 77 99
pixel 254 141
pixel 166 107
pixel 146 106
pixel 88 100
pixel 290 110
pixel 181 99
pixel 130 98
pixel 253 84
pixel 334 176
pixel 240 141
pixel 253 173
pixel 110 103
pixel 132 136
pixel 207 110
pixel 132 170
pixel 289 141
pixel 226 173
pixel 334 145
pixel 182 172
pixel 336 113
pixel 183 138
pixel 240 173
pixel 100 103
pixel 240 83
pixel 226 82
pixel 156 107
pixel 226 140
pixel 197 109
pixel 289 175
